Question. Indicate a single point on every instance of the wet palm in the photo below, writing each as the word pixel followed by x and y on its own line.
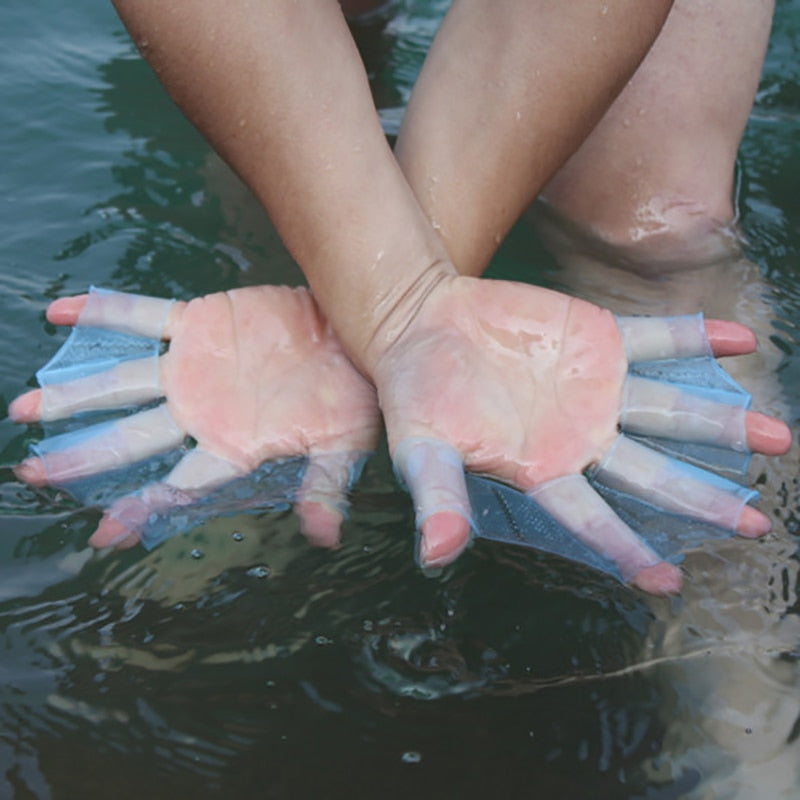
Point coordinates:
pixel 526 383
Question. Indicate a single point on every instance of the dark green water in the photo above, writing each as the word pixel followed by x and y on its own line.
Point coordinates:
pixel 189 672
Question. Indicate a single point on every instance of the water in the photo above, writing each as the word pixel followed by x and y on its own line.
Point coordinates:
pixel 236 661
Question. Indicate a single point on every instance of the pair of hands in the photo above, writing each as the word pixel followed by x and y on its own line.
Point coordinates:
pixel 515 381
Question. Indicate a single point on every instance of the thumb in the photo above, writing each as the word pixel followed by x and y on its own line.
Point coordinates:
pixel 433 472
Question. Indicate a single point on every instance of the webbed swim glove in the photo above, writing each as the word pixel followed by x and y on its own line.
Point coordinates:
pixel 655 494
pixel 112 442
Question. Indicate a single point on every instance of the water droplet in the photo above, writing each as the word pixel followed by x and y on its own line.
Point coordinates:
pixel 411 757
pixel 237 536
pixel 197 553
pixel 260 571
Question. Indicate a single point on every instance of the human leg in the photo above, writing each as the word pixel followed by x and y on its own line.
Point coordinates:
pixel 642 219
pixel 659 167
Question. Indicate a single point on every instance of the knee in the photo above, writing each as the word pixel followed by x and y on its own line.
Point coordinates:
pixel 660 233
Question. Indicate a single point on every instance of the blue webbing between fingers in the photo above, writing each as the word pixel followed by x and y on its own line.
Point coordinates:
pixel 502 513
pixel 91 350
pixel 499 512
pixel 88 351
pixel 272 487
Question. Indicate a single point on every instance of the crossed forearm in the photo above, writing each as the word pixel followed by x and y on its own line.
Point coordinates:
pixel 508 92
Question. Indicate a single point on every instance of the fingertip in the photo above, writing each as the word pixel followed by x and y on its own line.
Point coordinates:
pixel 66 310
pixel 753 523
pixel 444 535
pixel 729 338
pixel 111 532
pixel 31 471
pixel 767 435
pixel 27 407
pixel 660 579
pixel 319 523
pixel 131 540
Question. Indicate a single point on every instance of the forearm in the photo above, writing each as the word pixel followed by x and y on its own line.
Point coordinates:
pixel 280 92
pixel 508 92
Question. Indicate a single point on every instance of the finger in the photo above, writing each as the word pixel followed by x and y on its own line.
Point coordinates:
pixel 576 505
pixel 680 488
pixel 657 408
pixel 129 383
pixel 134 314
pixel 657 338
pixel 434 474
pixel 71 456
pixel 322 501
pixel 133 518
pixel 124 524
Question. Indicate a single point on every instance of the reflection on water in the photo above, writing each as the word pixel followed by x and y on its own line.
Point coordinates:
pixel 192 660
pixel 237 660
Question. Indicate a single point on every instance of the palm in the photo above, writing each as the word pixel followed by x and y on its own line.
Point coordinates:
pixel 526 383
pixel 255 373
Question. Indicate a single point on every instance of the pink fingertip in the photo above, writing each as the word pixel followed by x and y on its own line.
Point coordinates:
pixel 753 523
pixel 113 533
pixel 132 540
pixel 767 435
pixel 444 537
pixel 730 338
pixel 660 579
pixel 31 471
pixel 66 310
pixel 27 407
pixel 319 523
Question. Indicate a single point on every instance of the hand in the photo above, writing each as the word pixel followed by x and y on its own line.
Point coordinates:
pixel 251 375
pixel 527 385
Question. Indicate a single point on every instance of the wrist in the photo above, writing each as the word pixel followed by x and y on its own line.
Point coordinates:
pixel 398 310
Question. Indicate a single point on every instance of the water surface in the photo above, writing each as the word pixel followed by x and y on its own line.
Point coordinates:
pixel 236 661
